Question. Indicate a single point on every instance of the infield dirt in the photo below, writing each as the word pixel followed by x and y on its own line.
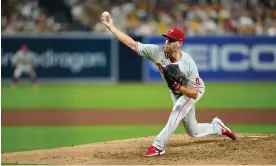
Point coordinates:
pixel 181 149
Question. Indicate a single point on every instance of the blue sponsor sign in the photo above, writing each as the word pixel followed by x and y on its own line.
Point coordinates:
pixel 64 57
pixel 226 58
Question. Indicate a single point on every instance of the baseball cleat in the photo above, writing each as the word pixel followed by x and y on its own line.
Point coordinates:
pixel 153 151
pixel 225 130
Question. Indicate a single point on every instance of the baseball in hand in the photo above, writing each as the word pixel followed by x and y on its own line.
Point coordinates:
pixel 107 21
pixel 105 15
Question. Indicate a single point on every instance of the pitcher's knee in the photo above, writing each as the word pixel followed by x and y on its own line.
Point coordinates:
pixel 193 134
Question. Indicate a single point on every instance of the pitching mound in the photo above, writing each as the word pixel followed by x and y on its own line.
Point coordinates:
pixel 181 149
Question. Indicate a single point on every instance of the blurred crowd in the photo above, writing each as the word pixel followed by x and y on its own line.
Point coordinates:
pixel 142 17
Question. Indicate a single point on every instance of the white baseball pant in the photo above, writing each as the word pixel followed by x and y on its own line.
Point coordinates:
pixel 184 110
pixel 22 68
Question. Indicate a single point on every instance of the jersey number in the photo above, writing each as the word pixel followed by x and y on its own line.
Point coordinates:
pixel 197 81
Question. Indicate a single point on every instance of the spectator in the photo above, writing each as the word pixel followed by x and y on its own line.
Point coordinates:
pixel 142 17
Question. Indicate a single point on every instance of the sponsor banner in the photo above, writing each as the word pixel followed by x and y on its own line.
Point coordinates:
pixel 226 58
pixel 64 57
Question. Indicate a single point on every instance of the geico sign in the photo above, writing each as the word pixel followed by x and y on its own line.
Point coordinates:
pixel 214 57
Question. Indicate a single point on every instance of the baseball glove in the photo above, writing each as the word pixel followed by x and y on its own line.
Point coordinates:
pixel 173 76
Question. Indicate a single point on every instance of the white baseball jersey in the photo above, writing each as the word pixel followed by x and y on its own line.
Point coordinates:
pixel 22 58
pixel 186 64
pixel 183 106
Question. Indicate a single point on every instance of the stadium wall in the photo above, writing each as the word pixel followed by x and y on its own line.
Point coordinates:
pixel 97 58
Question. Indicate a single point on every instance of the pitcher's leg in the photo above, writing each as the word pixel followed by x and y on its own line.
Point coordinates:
pixel 180 110
pixel 195 129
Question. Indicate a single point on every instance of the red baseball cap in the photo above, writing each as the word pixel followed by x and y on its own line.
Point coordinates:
pixel 175 34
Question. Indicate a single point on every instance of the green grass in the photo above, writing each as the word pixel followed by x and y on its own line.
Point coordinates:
pixel 32 138
pixel 128 96
pixel 29 138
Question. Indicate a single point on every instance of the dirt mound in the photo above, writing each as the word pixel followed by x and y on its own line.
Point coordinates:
pixel 181 149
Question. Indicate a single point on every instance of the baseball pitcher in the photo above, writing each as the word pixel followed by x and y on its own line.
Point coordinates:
pixel 23 61
pixel 180 73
